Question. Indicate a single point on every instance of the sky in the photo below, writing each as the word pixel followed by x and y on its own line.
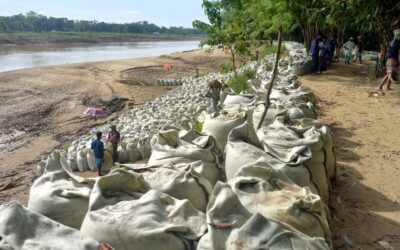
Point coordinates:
pixel 160 12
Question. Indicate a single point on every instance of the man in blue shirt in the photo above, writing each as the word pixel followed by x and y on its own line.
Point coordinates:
pixel 98 149
pixel 315 54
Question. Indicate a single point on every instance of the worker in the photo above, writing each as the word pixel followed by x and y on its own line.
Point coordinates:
pixel 392 62
pixel 98 149
pixel 114 138
pixel 214 93
pixel 348 50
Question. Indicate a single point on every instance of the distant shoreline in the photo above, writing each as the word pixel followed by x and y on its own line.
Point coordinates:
pixel 27 38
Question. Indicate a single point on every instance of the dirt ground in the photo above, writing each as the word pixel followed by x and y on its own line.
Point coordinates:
pixel 366 196
pixel 42 108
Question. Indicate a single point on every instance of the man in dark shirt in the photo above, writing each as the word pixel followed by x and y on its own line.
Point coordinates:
pixel 360 46
pixel 392 62
pixel 315 54
pixel 98 149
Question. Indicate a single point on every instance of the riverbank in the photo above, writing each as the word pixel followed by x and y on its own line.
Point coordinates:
pixel 73 38
pixel 42 107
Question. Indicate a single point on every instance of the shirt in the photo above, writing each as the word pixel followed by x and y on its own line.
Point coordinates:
pixel 314 46
pixel 113 137
pixel 98 148
pixel 394 48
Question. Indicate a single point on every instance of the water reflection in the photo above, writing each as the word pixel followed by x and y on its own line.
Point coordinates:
pixel 29 56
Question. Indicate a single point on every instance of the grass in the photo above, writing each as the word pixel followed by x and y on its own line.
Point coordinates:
pixel 269 50
pixel 238 84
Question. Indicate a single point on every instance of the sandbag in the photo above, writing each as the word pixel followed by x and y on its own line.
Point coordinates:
pixel 126 214
pixel 91 159
pixel 233 100
pixel 61 195
pixel 123 156
pixel 81 160
pixel 232 226
pixel 221 126
pixel 264 190
pixel 181 181
pixel 286 145
pixel 273 111
pixel 172 149
pixel 133 152
pixel 24 229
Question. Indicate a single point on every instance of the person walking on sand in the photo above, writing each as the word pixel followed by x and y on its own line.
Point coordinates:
pixel 348 50
pixel 98 149
pixel 321 55
pixel 333 44
pixel 392 62
pixel 113 138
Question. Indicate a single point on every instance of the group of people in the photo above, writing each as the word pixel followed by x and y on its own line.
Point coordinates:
pixel 97 146
pixel 324 52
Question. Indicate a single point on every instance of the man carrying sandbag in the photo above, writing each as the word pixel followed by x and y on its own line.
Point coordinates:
pixel 113 138
pixel 98 149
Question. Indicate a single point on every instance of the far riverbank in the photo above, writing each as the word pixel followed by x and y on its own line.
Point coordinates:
pixel 26 38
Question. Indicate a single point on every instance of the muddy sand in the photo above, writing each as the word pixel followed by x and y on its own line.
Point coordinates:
pixel 366 195
pixel 42 108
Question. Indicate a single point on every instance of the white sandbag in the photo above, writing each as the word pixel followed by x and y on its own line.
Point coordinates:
pixel 81 161
pixel 133 152
pixel 232 226
pixel 61 196
pixel 243 147
pixel 181 181
pixel 171 149
pixel 123 156
pixel 286 145
pixel 91 159
pixel 126 215
pixel 273 111
pixel 72 163
pixel 221 126
pixel 282 200
pixel 24 229
pixel 233 100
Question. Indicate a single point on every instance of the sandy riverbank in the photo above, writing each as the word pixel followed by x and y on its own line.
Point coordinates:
pixel 41 108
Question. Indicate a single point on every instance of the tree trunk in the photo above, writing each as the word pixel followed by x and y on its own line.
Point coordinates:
pixel 267 99
pixel 233 61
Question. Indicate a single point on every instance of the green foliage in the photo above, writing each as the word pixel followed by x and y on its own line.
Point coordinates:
pixel 34 22
pixel 225 68
pixel 239 83
pixel 270 50
pixel 198 127
pixel 250 73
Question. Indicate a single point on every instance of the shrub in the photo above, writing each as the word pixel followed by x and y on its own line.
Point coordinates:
pixel 238 84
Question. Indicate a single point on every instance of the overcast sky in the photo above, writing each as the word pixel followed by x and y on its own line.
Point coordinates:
pixel 160 12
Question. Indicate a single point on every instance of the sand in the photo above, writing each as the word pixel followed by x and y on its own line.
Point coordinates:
pixel 42 108
pixel 366 196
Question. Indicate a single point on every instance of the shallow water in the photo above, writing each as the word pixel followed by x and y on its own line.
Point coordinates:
pixel 30 56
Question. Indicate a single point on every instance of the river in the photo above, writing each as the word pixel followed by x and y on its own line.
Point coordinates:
pixel 30 56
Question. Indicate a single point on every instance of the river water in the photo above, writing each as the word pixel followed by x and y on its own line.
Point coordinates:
pixel 30 56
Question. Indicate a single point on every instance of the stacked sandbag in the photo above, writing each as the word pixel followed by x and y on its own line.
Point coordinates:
pixel 233 226
pixel 21 228
pixel 59 194
pixel 125 213
pixel 284 144
pixel 244 147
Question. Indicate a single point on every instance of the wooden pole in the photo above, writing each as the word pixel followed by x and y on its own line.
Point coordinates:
pixel 267 99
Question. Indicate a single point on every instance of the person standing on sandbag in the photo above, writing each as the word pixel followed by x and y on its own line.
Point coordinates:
pixel 214 93
pixel 113 138
pixel 98 149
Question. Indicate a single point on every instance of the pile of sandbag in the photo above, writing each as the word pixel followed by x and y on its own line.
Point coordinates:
pixel 229 186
